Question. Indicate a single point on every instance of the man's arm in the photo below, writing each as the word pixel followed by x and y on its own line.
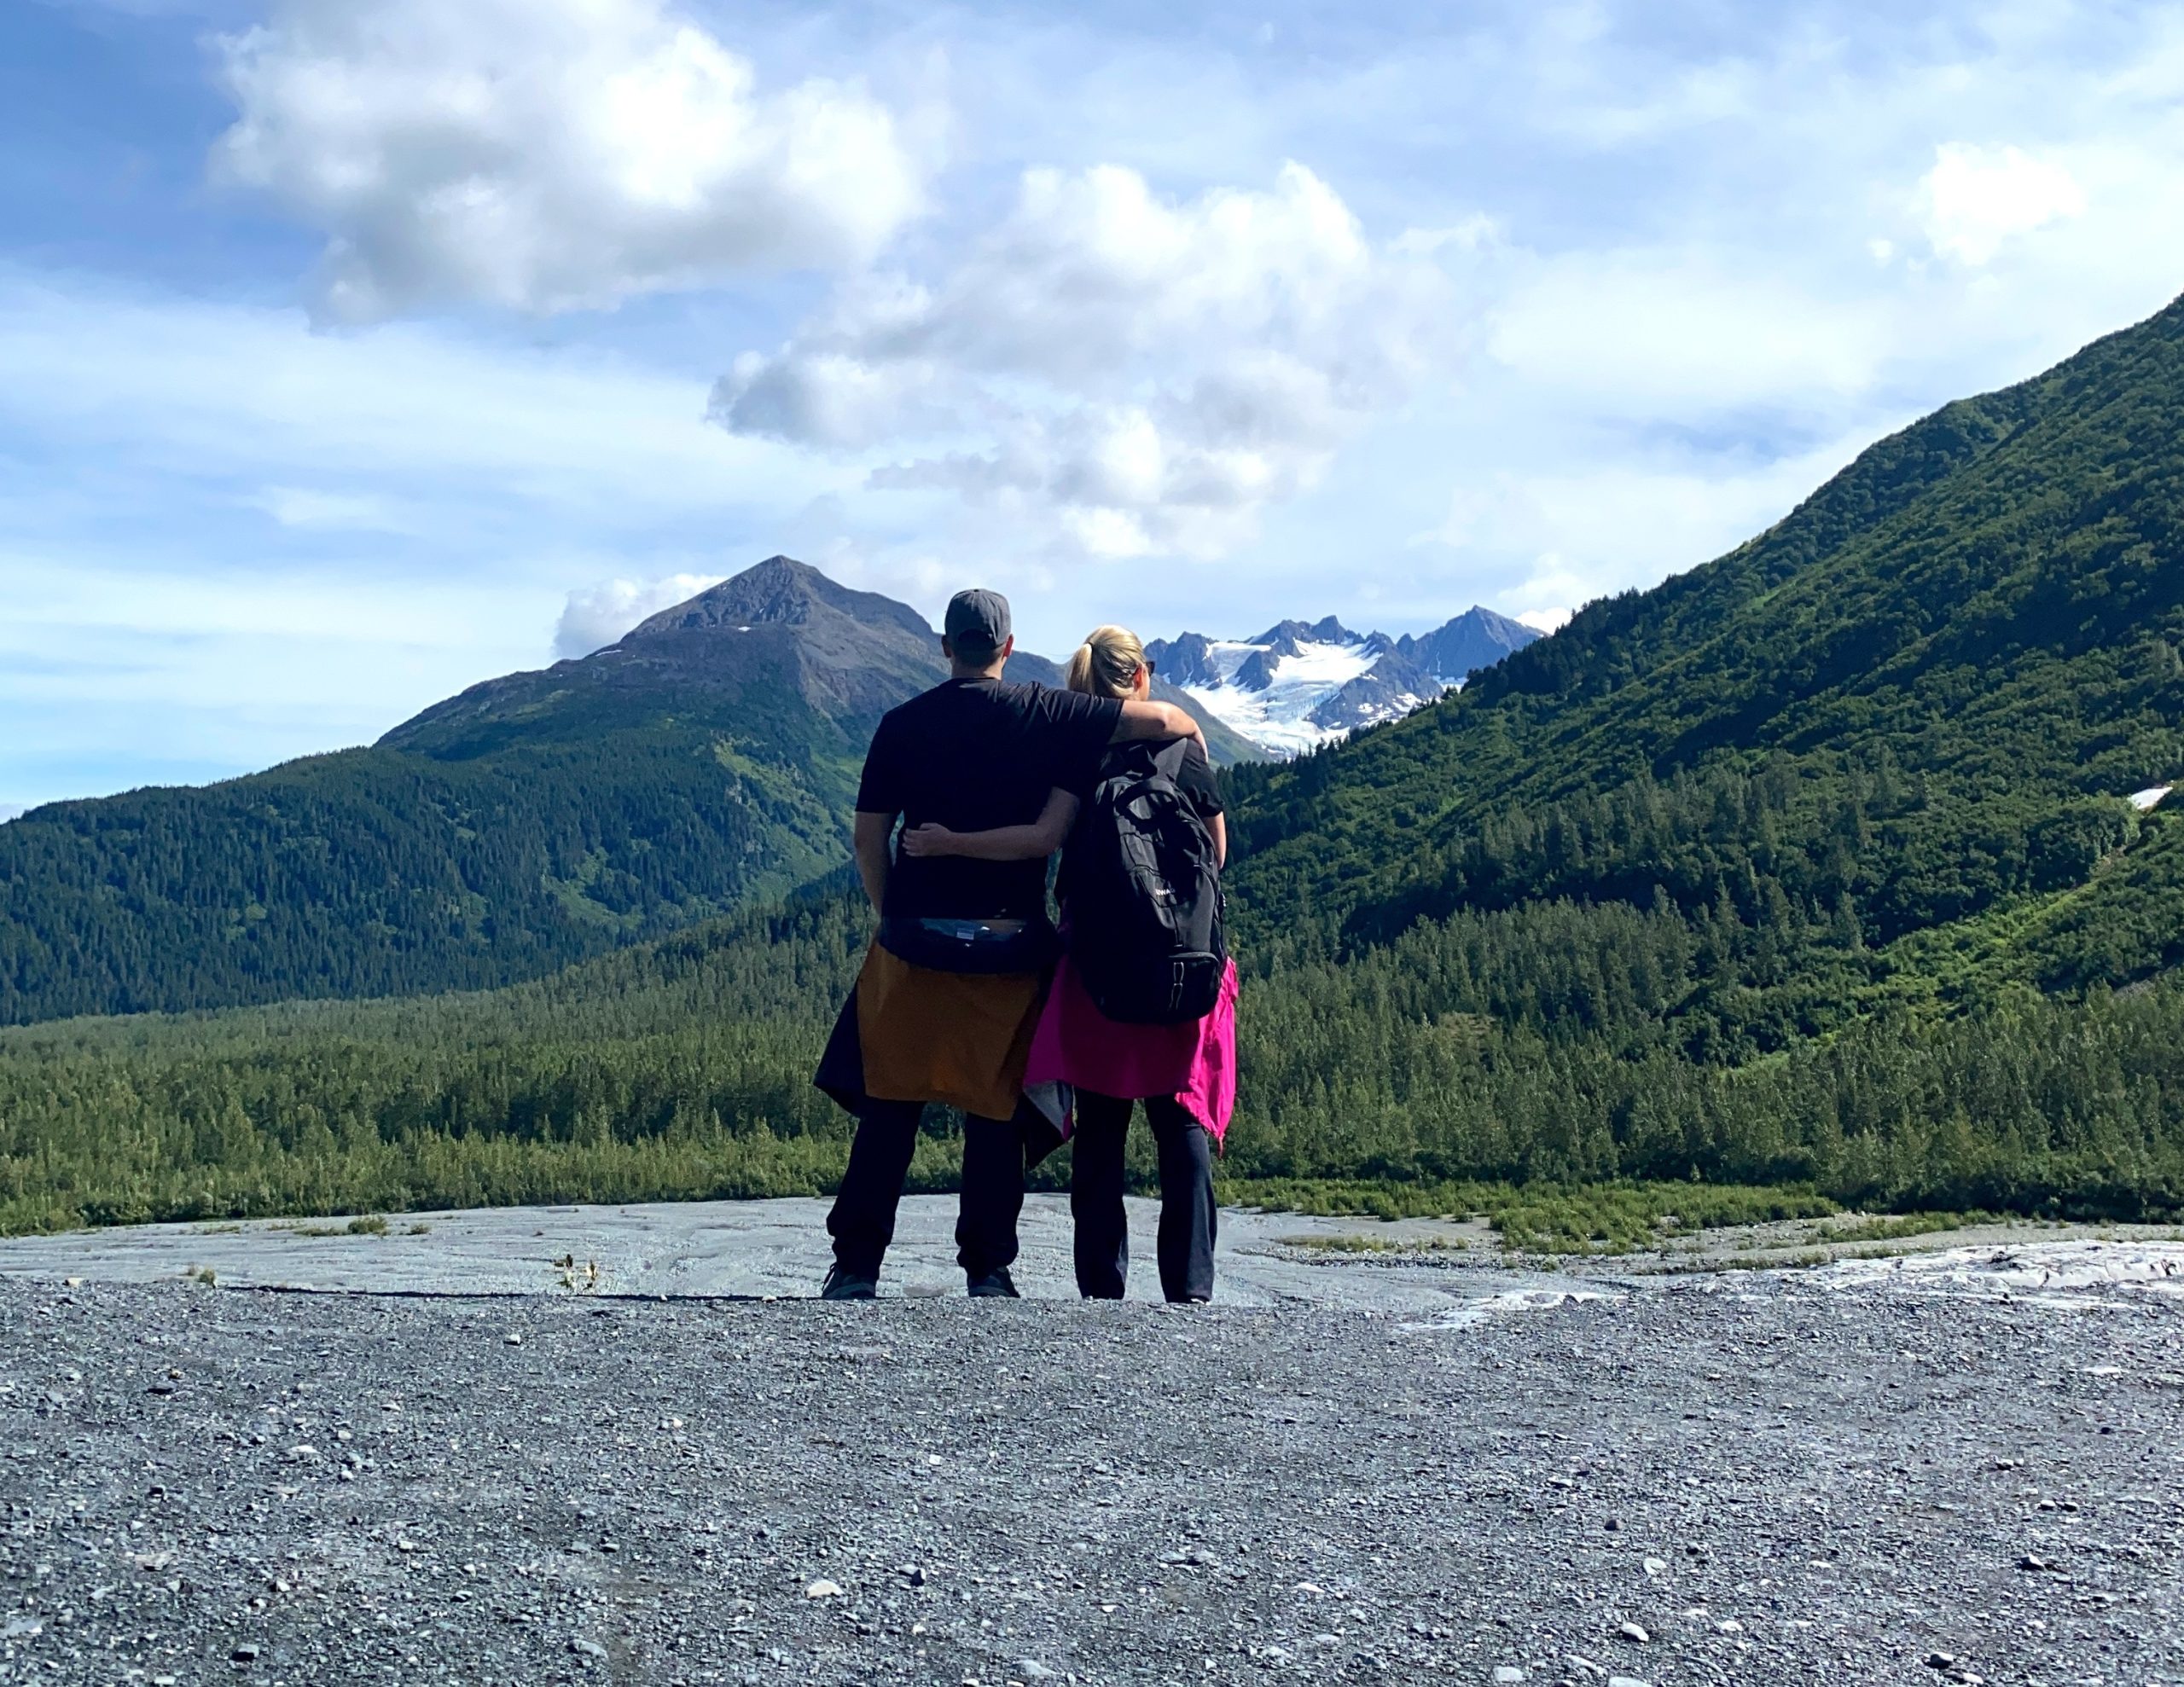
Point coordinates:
pixel 873 831
pixel 1155 720
pixel 1002 843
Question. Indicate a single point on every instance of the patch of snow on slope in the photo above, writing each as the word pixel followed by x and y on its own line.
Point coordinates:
pixel 2150 798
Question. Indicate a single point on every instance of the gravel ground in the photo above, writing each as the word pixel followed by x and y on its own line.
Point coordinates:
pixel 1745 1477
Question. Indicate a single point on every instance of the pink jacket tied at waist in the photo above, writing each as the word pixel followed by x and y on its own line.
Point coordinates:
pixel 1077 1043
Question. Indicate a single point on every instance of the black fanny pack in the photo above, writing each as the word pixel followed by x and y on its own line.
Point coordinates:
pixel 975 946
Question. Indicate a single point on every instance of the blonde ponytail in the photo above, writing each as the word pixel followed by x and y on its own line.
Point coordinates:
pixel 1106 664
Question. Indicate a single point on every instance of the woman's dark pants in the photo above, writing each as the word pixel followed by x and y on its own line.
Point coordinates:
pixel 1096 1198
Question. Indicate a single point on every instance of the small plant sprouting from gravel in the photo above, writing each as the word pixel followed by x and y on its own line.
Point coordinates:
pixel 418 1230
pixel 204 1274
pixel 370 1225
pixel 578 1279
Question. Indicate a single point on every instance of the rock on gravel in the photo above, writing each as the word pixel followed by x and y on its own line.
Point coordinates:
pixel 1812 1485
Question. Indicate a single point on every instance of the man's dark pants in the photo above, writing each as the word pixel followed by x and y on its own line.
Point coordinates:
pixel 1096 1198
pixel 863 1222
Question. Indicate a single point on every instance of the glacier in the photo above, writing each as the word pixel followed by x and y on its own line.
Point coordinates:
pixel 1298 686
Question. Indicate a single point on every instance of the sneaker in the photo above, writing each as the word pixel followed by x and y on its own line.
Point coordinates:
pixel 848 1286
pixel 994 1285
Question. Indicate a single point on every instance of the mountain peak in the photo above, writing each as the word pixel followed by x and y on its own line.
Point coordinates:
pixel 1478 638
pixel 781 590
pixel 1284 636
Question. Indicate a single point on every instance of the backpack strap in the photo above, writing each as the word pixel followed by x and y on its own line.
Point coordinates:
pixel 1171 758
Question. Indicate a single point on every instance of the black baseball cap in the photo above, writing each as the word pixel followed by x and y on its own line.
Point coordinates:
pixel 978 622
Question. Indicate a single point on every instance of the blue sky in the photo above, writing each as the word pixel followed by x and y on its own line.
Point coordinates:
pixel 352 350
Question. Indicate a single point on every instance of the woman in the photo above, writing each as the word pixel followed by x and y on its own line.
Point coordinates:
pixel 1185 1075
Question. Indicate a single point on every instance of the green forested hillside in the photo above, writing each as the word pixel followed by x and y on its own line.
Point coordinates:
pixel 386 871
pixel 1813 867
pixel 1917 701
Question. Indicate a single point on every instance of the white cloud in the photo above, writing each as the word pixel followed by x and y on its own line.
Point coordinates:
pixel 1664 334
pixel 1549 620
pixel 1975 199
pixel 549 155
pixel 109 660
pixel 1475 231
pixel 107 595
pixel 1604 115
pixel 1569 534
pixel 598 616
pixel 306 506
pixel 413 422
pixel 1150 373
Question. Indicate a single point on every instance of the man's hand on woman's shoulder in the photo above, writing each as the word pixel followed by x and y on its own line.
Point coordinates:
pixel 1152 720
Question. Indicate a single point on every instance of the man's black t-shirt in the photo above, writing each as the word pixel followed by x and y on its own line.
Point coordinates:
pixel 973 755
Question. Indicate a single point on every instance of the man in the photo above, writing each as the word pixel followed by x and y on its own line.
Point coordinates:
pixel 944 1008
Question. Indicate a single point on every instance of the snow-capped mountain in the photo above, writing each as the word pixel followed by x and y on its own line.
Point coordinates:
pixel 1296 687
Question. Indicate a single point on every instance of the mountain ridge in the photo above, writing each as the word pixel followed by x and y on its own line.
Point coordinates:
pixel 1336 680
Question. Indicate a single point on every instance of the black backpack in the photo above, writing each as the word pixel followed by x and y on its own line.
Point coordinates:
pixel 1144 893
